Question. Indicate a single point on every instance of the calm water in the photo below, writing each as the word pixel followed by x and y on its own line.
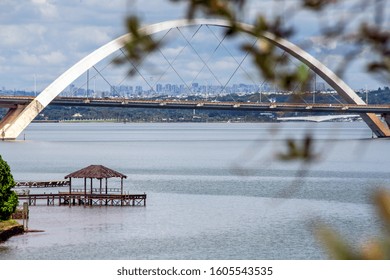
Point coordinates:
pixel 215 191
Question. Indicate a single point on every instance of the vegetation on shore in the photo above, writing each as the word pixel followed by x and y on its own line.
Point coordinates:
pixel 8 203
pixel 8 198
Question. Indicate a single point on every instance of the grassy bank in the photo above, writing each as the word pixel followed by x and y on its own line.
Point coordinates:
pixel 4 225
pixel 9 228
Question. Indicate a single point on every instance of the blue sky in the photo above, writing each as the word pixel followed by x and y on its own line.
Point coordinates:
pixel 40 39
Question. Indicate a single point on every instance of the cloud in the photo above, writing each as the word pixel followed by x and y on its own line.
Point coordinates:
pixel 53 58
pixel 27 59
pixel 21 36
pixel 88 37
pixel 46 8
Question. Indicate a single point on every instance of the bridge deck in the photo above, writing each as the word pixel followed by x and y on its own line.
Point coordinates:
pixel 12 101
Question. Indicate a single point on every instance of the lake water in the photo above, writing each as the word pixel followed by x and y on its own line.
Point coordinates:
pixel 215 191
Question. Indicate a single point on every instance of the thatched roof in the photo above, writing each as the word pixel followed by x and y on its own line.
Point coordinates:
pixel 95 171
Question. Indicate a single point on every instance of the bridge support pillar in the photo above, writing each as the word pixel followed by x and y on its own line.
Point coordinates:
pixel 379 128
pixel 8 119
pixel 386 117
pixel 17 119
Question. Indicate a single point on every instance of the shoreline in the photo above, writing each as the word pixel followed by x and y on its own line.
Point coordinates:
pixel 10 230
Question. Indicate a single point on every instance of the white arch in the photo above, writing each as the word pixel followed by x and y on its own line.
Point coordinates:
pixel 19 122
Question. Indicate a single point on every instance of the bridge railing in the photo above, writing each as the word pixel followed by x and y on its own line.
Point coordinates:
pixel 97 190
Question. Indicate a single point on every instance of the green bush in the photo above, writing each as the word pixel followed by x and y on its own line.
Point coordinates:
pixel 8 198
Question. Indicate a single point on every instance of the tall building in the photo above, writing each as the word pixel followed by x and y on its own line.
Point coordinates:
pixel 168 88
pixel 159 88
pixel 138 90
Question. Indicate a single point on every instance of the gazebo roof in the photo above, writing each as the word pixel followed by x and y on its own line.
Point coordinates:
pixel 95 171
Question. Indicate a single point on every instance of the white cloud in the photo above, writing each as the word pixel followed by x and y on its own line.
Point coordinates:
pixel 89 35
pixel 46 8
pixel 54 58
pixel 3 66
pixel 27 59
pixel 20 36
pixel 39 2
pixel 41 60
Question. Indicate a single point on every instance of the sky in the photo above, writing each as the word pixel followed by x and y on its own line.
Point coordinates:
pixel 40 39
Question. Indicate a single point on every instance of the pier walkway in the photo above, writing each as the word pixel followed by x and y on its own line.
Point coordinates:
pixel 80 199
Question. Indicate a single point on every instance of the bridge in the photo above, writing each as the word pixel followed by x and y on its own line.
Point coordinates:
pixel 381 109
pixel 22 112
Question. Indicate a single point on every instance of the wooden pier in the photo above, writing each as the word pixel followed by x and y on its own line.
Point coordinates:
pixel 81 199
pixel 103 195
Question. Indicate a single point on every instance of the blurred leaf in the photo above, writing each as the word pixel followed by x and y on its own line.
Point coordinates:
pixel 374 250
pixel 317 5
pixel 301 150
pixel 336 246
pixel 138 44
pixel 382 202
pixel 220 8
pixel 303 73
pixel 377 248
pixel 379 43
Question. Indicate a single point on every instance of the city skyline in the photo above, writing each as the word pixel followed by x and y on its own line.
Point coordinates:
pixel 172 89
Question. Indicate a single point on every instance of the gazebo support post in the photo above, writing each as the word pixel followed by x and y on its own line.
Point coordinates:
pixel 121 191
pixel 85 191
pixel 100 190
pixel 106 190
pixel 70 191
pixel 90 200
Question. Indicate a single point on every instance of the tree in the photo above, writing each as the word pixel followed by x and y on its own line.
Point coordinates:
pixel 369 35
pixel 8 198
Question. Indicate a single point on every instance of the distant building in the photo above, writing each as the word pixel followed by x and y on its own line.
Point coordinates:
pixel 320 86
pixel 159 88
pixel 138 90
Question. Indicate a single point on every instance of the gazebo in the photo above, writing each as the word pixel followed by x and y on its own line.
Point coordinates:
pixel 98 172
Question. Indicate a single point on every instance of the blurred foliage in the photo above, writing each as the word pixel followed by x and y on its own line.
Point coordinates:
pixel 372 37
pixel 379 42
pixel 369 35
pixel 216 8
pixel 317 5
pixel 374 249
pixel 299 150
pixel 137 45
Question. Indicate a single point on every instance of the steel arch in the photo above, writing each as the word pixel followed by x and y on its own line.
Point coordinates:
pixel 22 118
